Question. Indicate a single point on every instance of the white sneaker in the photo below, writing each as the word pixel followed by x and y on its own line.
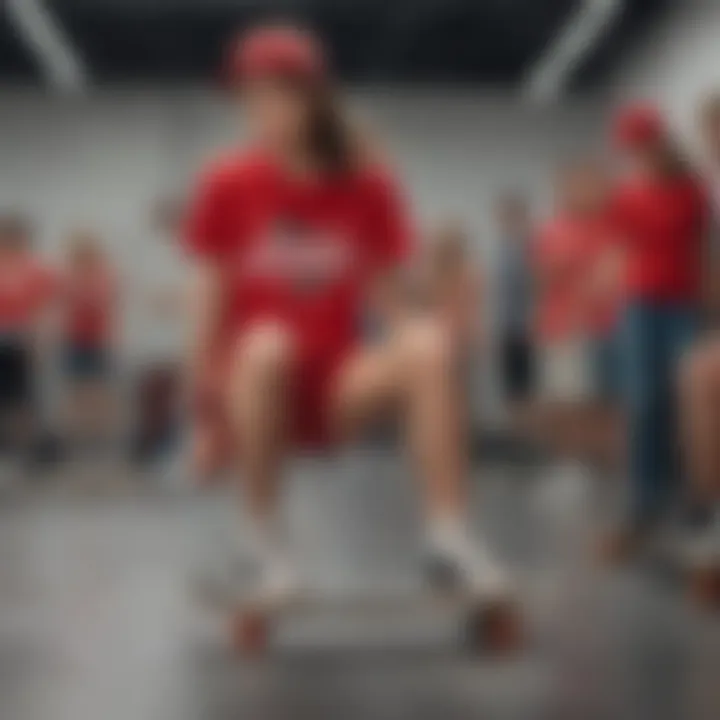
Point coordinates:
pixel 238 574
pixel 222 581
pixel 455 560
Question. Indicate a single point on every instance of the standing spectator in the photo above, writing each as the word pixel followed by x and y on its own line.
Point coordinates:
pixel 161 337
pixel 89 324
pixel 515 298
pixel 661 211
pixel 701 374
pixel 710 131
pixel 601 299
pixel 25 289
pixel 573 318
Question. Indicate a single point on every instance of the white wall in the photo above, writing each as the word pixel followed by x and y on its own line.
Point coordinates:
pixel 103 160
pixel 678 63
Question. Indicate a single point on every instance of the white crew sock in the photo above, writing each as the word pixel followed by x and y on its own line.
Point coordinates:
pixel 449 537
pixel 269 548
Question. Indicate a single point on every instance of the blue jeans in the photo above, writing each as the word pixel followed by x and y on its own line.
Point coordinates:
pixel 653 339
pixel 607 366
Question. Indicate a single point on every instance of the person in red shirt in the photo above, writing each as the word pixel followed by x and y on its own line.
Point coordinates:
pixel 89 327
pixel 700 397
pixel 26 286
pixel 574 319
pixel 661 213
pixel 294 239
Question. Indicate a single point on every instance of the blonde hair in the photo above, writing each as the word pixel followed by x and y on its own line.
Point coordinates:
pixel 449 245
pixel 709 111
pixel 84 243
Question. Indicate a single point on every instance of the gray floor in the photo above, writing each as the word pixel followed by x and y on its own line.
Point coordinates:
pixel 98 619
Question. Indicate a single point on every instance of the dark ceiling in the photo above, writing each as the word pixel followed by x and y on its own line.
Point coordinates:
pixel 483 42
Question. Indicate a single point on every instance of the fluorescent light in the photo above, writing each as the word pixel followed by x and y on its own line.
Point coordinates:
pixel 577 38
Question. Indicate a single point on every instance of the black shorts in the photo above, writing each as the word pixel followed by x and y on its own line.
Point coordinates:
pixel 517 361
pixel 16 376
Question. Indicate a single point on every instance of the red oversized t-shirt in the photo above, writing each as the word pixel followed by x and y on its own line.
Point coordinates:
pixel 662 227
pixel 301 252
pixel 89 307
pixel 26 286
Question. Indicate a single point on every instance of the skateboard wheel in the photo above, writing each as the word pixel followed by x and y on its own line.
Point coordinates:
pixel 705 586
pixel 496 628
pixel 251 633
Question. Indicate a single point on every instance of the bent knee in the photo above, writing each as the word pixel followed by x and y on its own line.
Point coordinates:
pixel 427 348
pixel 265 348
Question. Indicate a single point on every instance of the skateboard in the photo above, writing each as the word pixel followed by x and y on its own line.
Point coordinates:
pixel 698 569
pixel 484 625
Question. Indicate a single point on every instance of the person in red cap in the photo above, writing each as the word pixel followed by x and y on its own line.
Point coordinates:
pixel 701 378
pixel 294 239
pixel 661 214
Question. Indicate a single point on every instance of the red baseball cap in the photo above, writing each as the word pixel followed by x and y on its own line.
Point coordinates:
pixel 637 126
pixel 276 51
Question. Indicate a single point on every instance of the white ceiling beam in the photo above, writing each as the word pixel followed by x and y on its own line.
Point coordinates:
pixel 578 37
pixel 53 51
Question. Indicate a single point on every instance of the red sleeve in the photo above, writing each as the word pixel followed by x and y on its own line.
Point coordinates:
pixel 43 287
pixel 49 283
pixel 207 223
pixel 390 231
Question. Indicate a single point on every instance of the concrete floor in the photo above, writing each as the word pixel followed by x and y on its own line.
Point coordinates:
pixel 98 619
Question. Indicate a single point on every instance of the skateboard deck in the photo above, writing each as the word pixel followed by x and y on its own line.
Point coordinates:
pixel 485 623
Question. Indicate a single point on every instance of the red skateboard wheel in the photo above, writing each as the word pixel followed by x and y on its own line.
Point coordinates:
pixel 705 586
pixel 494 628
pixel 251 633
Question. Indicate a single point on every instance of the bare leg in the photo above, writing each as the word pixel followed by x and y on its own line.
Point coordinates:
pixel 436 432
pixel 700 402
pixel 414 375
pixel 259 410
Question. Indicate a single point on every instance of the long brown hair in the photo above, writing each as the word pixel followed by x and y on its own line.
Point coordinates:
pixel 15 231
pixel 672 161
pixel 449 248
pixel 336 144
pixel 83 246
